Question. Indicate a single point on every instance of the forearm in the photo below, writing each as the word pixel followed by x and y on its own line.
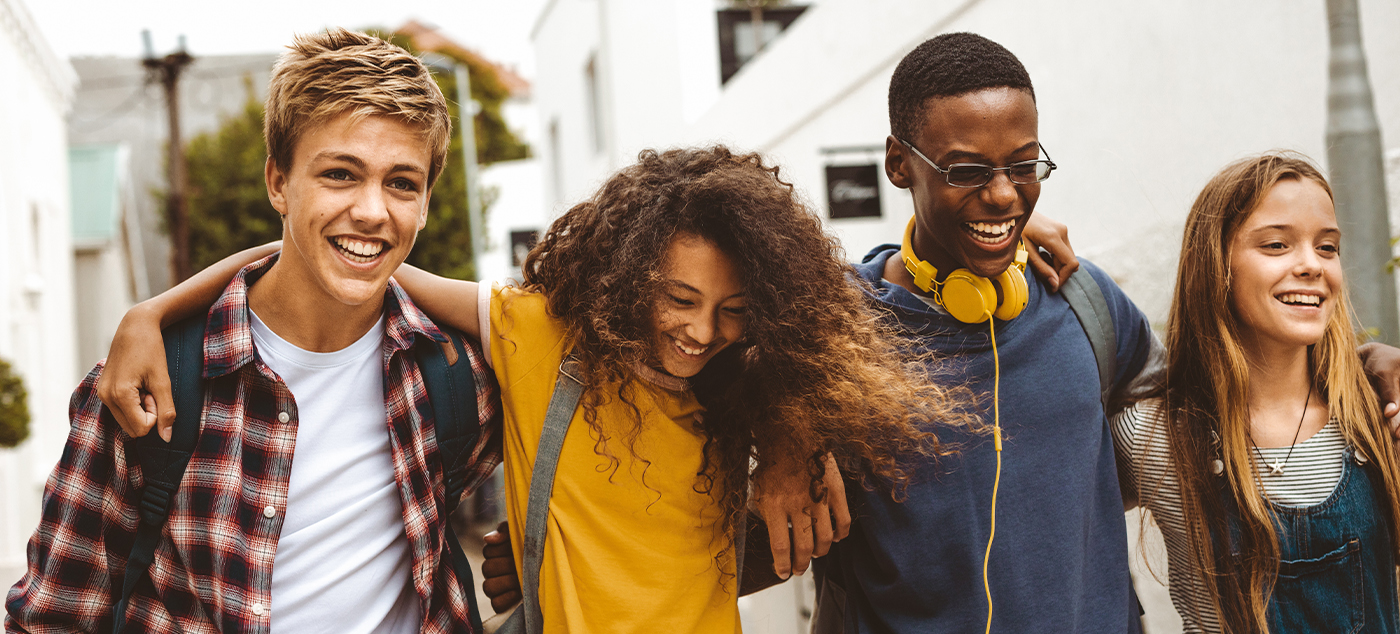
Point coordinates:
pixel 195 295
pixel 445 300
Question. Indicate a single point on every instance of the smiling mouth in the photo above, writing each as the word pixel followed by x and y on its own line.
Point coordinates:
pixel 361 251
pixel 1300 299
pixel 689 351
pixel 989 233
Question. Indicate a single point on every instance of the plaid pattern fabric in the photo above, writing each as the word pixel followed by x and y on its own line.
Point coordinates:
pixel 213 566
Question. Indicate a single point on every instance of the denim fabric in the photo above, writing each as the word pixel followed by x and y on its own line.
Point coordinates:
pixel 1337 560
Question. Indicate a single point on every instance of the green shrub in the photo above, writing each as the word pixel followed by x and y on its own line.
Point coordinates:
pixel 14 407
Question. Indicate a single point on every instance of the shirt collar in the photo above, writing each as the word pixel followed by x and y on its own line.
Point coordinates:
pixel 228 334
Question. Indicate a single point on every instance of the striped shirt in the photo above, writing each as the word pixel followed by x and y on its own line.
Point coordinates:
pixel 1307 478
pixel 213 565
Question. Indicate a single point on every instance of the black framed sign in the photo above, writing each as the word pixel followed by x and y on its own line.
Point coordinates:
pixel 853 191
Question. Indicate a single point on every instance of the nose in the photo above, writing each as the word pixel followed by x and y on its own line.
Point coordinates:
pixel 1309 263
pixel 371 207
pixel 999 192
pixel 702 328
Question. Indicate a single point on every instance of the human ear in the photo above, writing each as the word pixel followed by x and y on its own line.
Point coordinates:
pixel 897 163
pixel 276 181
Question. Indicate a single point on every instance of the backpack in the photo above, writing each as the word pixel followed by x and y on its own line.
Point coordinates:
pixel 451 394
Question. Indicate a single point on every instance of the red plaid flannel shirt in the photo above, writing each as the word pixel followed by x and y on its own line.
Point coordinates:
pixel 214 560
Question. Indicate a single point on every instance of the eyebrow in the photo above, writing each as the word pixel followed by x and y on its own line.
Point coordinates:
pixel 358 162
pixel 684 286
pixel 1284 227
pixel 956 155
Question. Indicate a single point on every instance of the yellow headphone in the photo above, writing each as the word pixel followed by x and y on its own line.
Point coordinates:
pixel 968 297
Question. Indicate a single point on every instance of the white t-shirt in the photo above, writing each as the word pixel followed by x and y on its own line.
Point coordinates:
pixel 343 563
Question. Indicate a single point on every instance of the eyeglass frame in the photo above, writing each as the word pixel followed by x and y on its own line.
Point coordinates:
pixel 991 170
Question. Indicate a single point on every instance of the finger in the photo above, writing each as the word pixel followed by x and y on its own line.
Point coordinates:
pixel 821 529
pixel 126 410
pixel 1043 269
pixel 836 499
pixel 501 549
pixel 1068 265
pixel 159 386
pixel 505 602
pixel 801 543
pixel 498 567
pixel 499 585
pixel 499 536
pixel 778 543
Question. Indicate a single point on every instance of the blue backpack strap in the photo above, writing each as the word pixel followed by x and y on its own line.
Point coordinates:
pixel 1089 305
pixel 528 619
pixel 163 464
pixel 451 384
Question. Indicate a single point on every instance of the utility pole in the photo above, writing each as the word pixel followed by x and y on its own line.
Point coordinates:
pixel 467 108
pixel 1358 175
pixel 167 70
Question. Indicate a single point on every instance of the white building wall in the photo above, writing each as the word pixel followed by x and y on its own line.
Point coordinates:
pixel 36 271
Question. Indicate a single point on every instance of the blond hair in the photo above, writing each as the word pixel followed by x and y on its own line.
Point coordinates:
pixel 329 74
pixel 1207 394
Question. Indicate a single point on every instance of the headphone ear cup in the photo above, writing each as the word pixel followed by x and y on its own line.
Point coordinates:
pixel 1014 293
pixel 968 298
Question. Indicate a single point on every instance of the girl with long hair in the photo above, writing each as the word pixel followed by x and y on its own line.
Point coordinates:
pixel 717 335
pixel 1265 460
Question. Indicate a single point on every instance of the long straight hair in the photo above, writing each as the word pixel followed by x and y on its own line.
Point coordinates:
pixel 1207 395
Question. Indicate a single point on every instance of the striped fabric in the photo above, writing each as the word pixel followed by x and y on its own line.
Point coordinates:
pixel 1139 435
pixel 213 567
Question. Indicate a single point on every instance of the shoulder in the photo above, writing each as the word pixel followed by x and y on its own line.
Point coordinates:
pixel 1143 418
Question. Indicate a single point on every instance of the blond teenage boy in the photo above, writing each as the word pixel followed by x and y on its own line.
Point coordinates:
pixel 314 499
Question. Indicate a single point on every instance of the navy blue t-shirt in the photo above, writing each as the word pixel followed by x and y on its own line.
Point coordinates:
pixel 1060 559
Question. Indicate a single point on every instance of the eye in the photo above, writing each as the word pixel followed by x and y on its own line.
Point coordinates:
pixel 337 175
pixel 1330 249
pixel 1274 246
pixel 681 302
pixel 404 184
pixel 737 311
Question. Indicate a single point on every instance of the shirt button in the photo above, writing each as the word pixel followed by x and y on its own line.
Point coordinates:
pixel 258 609
pixel 269 511
pixel 284 417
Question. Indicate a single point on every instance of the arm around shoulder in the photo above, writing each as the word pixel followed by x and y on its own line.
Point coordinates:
pixel 445 300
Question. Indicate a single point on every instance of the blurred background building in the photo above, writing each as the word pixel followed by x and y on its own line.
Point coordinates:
pixel 37 325
pixel 1139 104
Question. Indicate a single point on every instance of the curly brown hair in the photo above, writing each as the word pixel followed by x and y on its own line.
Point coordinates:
pixel 815 372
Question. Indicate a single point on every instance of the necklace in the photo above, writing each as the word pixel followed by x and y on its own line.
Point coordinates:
pixel 1276 468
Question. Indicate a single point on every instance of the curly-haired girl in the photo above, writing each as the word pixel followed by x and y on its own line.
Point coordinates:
pixel 716 333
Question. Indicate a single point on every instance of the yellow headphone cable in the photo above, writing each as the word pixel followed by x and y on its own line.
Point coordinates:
pixel 996 483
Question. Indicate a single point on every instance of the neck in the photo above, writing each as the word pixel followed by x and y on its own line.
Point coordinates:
pixel 1280 384
pixel 294 306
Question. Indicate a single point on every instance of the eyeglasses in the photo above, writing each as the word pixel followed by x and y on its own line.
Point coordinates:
pixel 976 175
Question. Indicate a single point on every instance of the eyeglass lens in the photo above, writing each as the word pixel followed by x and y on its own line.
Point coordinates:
pixel 978 175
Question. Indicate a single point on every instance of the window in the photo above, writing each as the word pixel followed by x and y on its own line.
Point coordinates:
pixel 737 44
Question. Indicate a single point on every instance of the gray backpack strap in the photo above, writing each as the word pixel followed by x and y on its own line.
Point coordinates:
pixel 528 619
pixel 1087 301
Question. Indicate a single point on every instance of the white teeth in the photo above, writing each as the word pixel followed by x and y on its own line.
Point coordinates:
pixel 359 250
pixel 990 233
pixel 1300 298
pixel 695 352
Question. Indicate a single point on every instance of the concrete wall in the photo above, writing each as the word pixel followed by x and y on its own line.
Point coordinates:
pixel 1140 103
pixel 36 271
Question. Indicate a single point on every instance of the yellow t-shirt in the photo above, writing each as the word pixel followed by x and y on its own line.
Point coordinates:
pixel 624 553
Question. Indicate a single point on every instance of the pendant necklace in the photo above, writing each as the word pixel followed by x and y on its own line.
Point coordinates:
pixel 1276 468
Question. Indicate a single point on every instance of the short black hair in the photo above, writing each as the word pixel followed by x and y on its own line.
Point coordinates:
pixel 949 65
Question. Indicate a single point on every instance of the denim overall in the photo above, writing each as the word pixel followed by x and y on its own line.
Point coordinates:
pixel 1337 559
